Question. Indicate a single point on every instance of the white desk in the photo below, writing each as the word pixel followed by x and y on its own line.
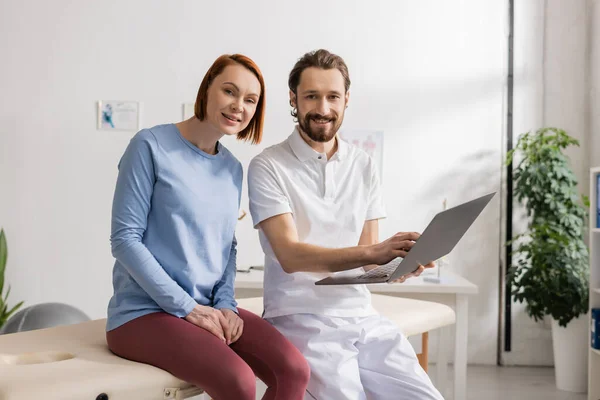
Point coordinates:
pixel 454 290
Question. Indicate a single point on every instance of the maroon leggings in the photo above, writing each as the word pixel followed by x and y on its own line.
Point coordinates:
pixel 225 372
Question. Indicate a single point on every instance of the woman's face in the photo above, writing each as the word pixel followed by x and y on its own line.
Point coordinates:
pixel 232 99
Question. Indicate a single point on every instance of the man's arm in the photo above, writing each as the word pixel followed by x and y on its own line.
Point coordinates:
pixel 272 213
pixel 369 236
pixel 295 256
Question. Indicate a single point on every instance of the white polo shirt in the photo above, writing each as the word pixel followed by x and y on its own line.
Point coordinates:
pixel 330 200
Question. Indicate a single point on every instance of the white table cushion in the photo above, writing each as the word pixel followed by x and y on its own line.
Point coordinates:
pixel 86 368
pixel 412 316
pixel 73 362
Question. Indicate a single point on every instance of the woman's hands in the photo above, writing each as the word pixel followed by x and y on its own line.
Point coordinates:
pixel 235 323
pixel 210 319
pixel 224 324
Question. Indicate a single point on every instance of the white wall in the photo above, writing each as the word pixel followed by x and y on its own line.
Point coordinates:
pixel 428 73
pixel 551 89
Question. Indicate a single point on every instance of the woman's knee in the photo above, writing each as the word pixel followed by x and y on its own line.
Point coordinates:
pixel 237 384
pixel 295 369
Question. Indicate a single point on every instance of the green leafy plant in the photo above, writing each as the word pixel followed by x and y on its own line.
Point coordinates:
pixel 5 313
pixel 550 270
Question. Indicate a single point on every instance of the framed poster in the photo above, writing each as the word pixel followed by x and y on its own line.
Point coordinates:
pixel 119 115
pixel 371 141
pixel 188 110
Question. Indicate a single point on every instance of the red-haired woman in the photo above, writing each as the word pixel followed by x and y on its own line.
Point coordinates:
pixel 174 214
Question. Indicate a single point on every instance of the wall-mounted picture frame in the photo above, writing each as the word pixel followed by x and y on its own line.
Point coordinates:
pixel 116 115
pixel 371 141
pixel 188 110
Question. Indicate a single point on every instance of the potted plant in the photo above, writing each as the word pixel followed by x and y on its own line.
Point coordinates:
pixel 550 271
pixel 5 312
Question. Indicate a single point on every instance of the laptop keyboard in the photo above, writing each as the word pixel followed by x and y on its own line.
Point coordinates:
pixel 383 270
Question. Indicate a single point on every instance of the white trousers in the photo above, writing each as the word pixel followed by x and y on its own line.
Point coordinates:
pixel 357 358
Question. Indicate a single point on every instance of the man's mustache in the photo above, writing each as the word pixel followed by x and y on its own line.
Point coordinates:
pixel 330 117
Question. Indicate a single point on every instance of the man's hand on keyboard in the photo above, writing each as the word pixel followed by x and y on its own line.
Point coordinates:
pixel 418 272
pixel 396 246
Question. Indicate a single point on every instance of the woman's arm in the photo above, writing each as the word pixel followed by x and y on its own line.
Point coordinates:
pixel 131 205
pixel 223 293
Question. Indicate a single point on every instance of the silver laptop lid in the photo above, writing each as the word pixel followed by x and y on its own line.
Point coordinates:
pixel 441 235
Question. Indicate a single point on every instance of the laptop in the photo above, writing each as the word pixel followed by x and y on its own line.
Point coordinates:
pixel 439 238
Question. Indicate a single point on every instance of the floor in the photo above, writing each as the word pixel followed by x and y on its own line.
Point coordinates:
pixel 514 383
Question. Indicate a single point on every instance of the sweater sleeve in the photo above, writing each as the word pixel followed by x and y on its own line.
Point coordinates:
pixel 131 205
pixel 223 290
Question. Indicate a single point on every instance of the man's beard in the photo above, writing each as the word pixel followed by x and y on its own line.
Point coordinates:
pixel 321 134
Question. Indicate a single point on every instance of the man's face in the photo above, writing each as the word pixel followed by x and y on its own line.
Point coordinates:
pixel 321 101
